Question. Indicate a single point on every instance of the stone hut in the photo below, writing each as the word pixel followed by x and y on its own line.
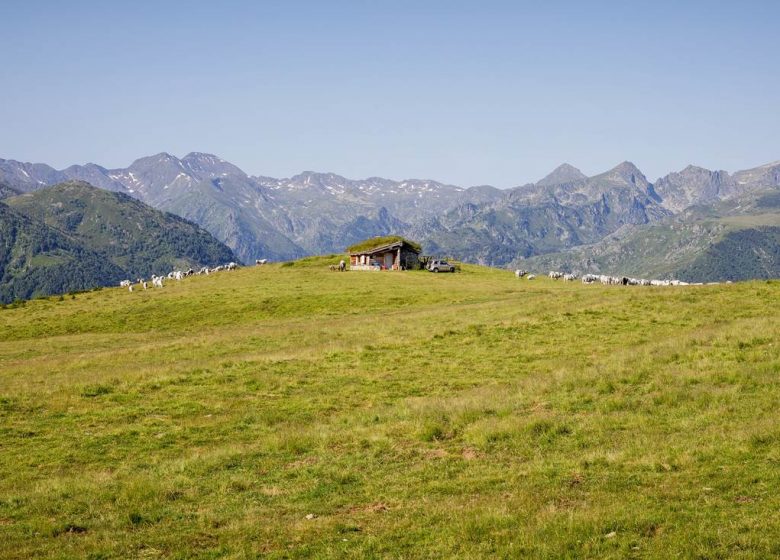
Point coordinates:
pixel 384 253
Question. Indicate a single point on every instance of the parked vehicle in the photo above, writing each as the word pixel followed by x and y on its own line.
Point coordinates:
pixel 440 266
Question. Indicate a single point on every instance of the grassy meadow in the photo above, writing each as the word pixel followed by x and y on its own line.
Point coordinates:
pixel 286 411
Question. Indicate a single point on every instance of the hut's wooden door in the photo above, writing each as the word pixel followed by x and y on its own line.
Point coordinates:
pixel 389 261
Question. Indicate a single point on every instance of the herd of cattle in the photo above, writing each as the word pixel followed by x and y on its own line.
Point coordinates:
pixel 607 280
pixel 158 281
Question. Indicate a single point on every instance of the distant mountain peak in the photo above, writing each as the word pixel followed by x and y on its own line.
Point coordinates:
pixel 162 157
pixel 203 157
pixel 209 165
pixel 628 166
pixel 629 173
pixel 156 159
pixel 564 173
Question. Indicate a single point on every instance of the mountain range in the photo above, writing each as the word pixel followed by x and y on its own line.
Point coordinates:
pixel 313 213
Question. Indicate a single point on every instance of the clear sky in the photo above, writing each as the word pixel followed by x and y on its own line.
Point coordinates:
pixel 480 92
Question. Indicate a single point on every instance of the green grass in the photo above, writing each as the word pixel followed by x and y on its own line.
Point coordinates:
pixel 48 259
pixel 415 415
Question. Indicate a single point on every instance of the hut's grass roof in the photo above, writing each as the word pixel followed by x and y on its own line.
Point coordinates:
pixel 374 242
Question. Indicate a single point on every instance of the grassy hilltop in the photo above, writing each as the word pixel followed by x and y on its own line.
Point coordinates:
pixel 415 415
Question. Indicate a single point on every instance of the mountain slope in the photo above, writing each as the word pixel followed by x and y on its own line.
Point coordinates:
pixel 36 259
pixel 533 220
pixel 695 186
pixel 26 177
pixel 237 213
pixel 740 255
pixel 729 240
pixel 133 236
pixel 7 191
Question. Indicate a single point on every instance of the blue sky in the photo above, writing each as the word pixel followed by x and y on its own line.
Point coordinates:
pixel 463 92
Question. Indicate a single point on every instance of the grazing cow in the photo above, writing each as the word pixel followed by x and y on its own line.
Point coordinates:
pixel 555 275
pixel 130 288
pixel 520 273
pixel 145 285
pixel 569 277
pixel 231 266
pixel 531 276
pixel 589 278
pixel 342 265
pixel 261 261
pixel 124 283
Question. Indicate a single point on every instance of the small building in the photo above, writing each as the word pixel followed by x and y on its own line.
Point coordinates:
pixel 384 253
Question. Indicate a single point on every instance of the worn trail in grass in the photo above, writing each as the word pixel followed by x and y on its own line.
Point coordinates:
pixel 416 415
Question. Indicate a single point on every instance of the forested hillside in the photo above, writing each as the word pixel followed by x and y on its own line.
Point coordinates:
pixel 36 259
pixel 740 255
pixel 134 236
pixel 7 191
pixel 74 236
